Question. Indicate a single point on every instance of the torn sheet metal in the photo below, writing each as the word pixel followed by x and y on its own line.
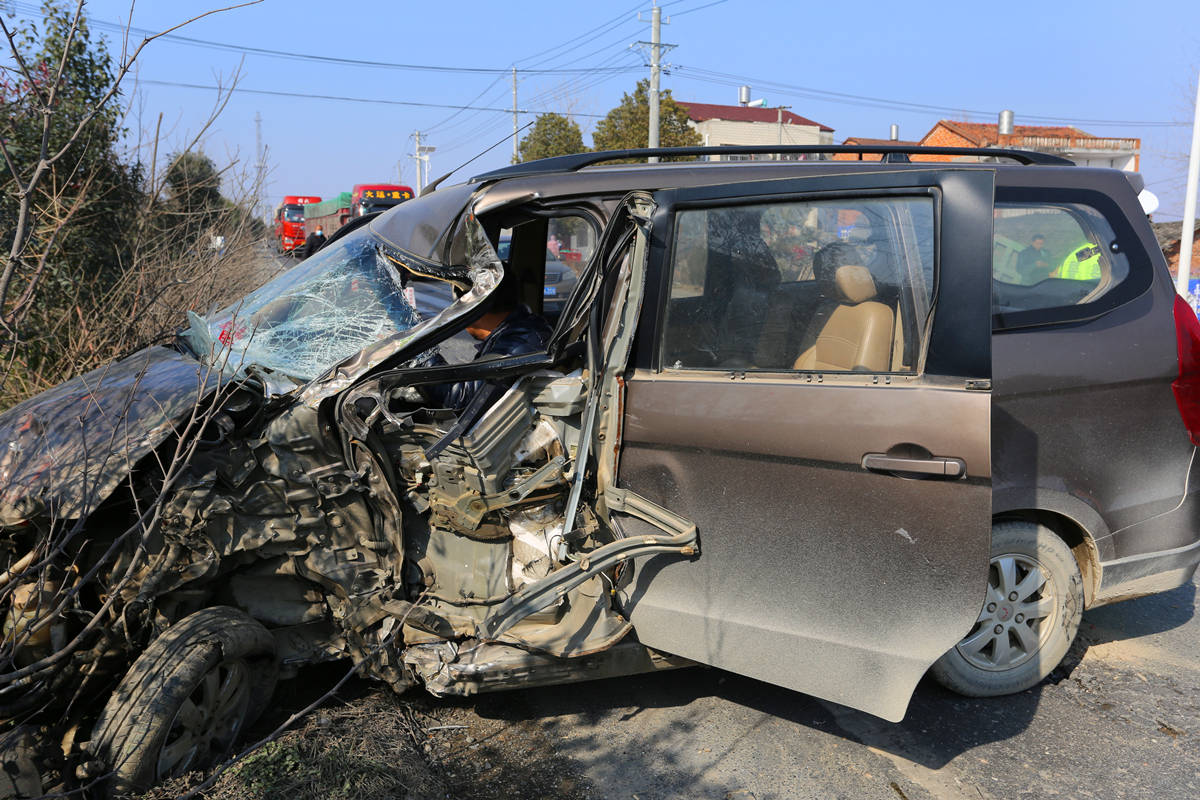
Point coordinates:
pixel 66 449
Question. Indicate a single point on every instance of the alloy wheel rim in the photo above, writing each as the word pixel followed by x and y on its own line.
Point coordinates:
pixel 207 721
pixel 1017 617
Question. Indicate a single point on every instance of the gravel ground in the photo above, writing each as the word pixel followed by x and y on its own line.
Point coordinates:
pixel 1119 719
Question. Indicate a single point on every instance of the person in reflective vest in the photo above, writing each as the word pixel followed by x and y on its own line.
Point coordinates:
pixel 1081 264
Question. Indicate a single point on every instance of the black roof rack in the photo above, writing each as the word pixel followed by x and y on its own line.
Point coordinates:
pixel 888 152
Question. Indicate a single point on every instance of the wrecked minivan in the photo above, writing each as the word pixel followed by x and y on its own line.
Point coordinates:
pixel 761 436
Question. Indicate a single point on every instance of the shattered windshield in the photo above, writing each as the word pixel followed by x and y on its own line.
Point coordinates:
pixel 332 305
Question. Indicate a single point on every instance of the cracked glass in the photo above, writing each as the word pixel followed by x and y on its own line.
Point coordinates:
pixel 337 302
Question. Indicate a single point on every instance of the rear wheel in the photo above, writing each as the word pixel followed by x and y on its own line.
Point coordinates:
pixel 1028 620
pixel 186 699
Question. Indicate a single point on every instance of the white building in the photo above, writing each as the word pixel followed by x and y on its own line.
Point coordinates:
pixel 750 125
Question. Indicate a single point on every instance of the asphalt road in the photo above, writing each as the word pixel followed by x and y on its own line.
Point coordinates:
pixel 1120 719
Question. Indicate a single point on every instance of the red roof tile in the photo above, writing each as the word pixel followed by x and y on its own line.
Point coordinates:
pixel 699 112
pixel 862 140
pixel 983 133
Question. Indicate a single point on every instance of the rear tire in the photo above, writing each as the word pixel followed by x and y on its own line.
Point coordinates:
pixel 1029 618
pixel 186 698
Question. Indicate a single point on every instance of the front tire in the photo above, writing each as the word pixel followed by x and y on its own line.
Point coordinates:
pixel 1029 618
pixel 185 699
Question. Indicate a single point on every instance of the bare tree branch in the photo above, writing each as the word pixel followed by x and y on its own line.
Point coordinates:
pixel 45 159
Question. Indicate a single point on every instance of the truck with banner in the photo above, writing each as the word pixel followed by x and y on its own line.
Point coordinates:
pixel 363 199
pixel 367 198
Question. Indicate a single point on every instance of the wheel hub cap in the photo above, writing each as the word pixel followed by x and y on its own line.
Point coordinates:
pixel 208 721
pixel 1017 617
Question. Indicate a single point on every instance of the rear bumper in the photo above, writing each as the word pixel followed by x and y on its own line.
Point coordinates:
pixel 1135 576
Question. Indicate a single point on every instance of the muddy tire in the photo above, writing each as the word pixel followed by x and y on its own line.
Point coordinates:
pixel 185 700
pixel 19 776
pixel 1028 620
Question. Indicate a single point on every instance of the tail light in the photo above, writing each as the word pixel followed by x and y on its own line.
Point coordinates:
pixel 1187 385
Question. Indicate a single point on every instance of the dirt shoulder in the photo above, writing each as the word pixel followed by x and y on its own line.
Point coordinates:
pixel 370 743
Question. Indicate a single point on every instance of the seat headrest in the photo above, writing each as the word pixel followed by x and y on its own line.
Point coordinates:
pixel 855 283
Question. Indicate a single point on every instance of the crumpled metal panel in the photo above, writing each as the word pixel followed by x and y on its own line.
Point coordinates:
pixel 66 449
pixel 421 226
pixel 477 276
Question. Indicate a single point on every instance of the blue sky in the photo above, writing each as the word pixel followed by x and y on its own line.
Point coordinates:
pixel 1065 61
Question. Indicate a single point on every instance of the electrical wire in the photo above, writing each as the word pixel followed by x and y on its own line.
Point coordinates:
pixel 586 34
pixel 472 101
pixel 867 101
pixel 697 8
pixel 342 98
pixel 293 56
pixel 685 71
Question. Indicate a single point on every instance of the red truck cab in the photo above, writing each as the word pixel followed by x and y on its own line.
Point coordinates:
pixel 289 221
pixel 367 198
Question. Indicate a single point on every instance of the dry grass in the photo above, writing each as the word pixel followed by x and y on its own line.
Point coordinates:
pixel 378 746
pixel 366 748
pixel 146 304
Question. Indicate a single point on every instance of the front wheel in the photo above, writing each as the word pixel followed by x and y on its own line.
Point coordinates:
pixel 185 699
pixel 1029 618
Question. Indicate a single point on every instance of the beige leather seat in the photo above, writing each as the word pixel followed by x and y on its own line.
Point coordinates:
pixel 857 335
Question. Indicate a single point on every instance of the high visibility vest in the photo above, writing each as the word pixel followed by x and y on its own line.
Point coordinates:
pixel 1081 264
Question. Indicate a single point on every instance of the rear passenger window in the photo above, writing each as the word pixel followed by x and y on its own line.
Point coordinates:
pixel 1053 256
pixel 814 286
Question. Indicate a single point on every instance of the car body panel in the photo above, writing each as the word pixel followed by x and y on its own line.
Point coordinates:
pixel 1073 401
pixel 70 446
pixel 815 573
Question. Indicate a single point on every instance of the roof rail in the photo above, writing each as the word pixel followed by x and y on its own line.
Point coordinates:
pixel 578 161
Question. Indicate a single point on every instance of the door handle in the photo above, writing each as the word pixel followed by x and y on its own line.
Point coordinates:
pixel 934 466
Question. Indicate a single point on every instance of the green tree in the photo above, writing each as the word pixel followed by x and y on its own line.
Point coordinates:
pixel 192 201
pixel 628 125
pixel 193 181
pixel 552 135
pixel 58 105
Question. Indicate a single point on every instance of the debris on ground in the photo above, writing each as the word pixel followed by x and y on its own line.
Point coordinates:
pixel 374 745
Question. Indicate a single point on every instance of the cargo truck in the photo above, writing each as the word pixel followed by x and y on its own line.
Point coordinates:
pixel 328 215
pixel 363 199
pixel 367 198
pixel 289 221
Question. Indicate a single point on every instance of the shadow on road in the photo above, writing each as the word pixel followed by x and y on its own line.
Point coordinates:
pixel 648 719
pixel 1145 616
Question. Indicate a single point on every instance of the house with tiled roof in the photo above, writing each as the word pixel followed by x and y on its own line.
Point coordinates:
pixel 863 141
pixel 1068 141
pixel 1170 239
pixel 750 125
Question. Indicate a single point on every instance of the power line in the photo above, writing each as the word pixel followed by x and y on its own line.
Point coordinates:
pixel 342 98
pixel 473 100
pixel 696 8
pixel 881 102
pixel 292 56
pixel 590 35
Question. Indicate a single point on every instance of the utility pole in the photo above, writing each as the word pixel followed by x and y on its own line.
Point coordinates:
pixel 417 156
pixel 1183 276
pixel 779 120
pixel 657 48
pixel 260 168
pixel 516 155
pixel 421 155
pixel 655 67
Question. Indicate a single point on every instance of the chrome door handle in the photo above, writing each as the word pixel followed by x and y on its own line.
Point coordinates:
pixel 944 467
